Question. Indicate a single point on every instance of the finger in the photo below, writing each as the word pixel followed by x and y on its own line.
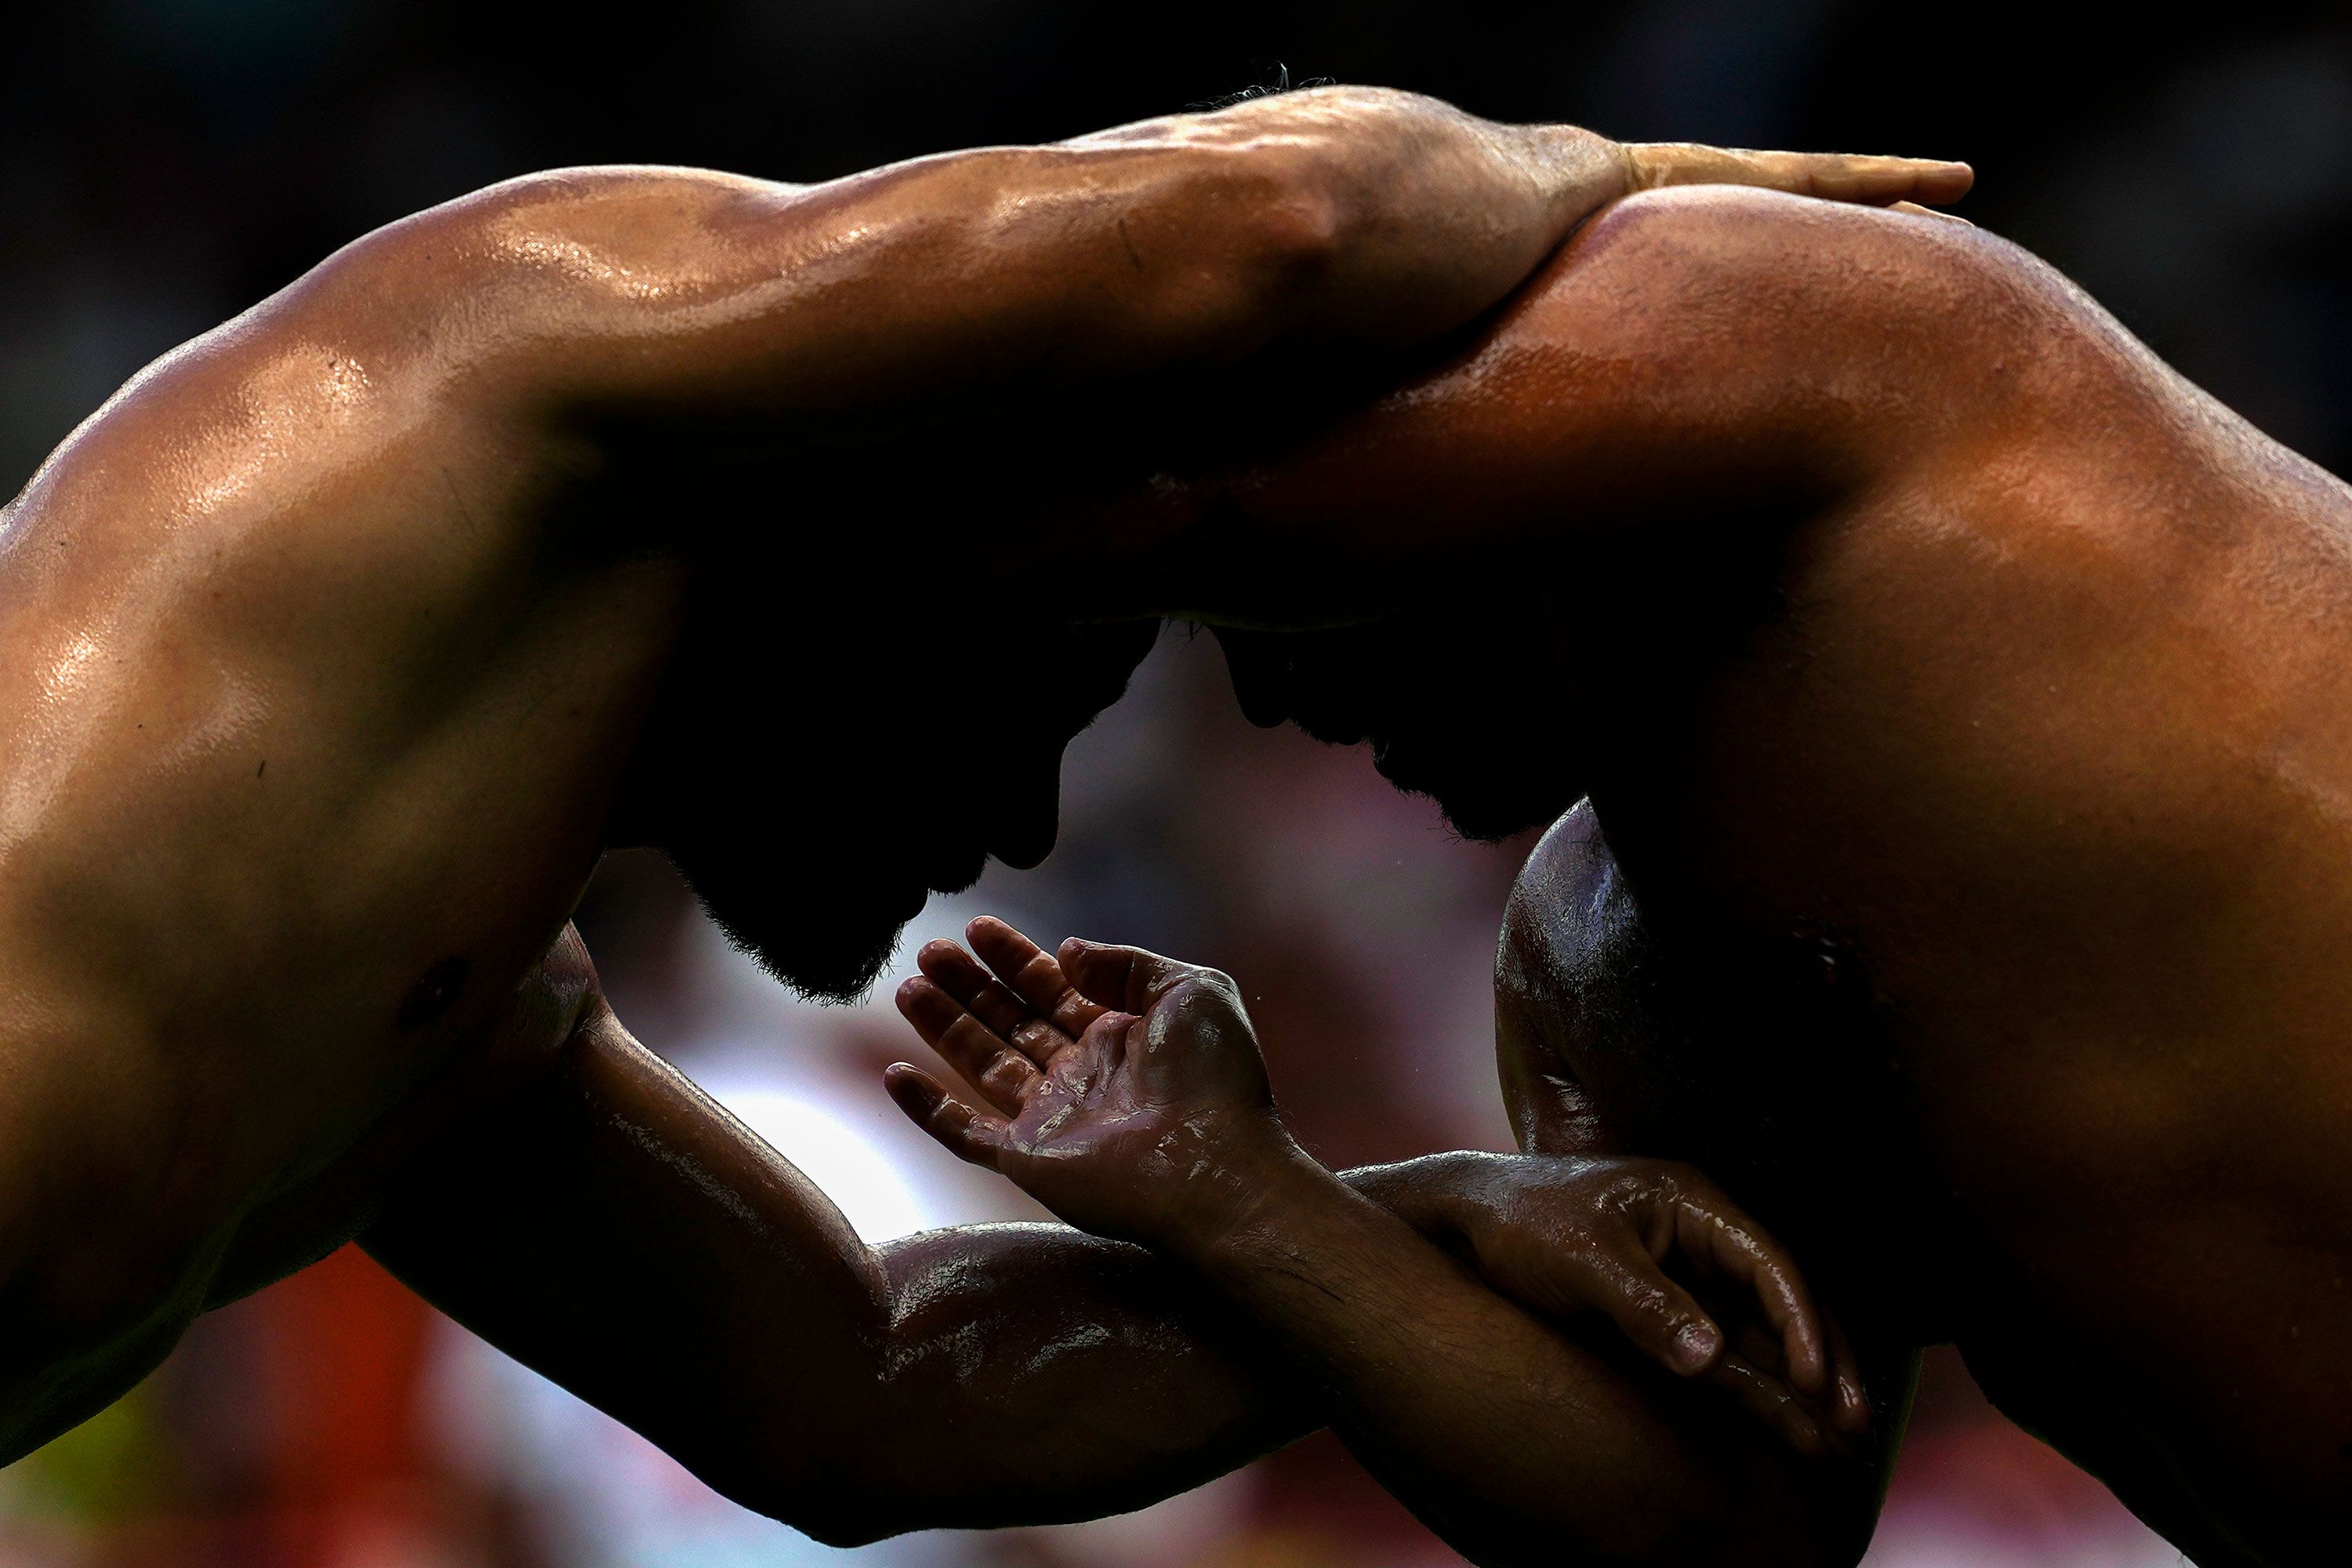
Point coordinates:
pixel 1002 1075
pixel 967 1134
pixel 1031 974
pixel 1769 1400
pixel 1875 181
pixel 1831 176
pixel 1850 1408
pixel 1915 210
pixel 1761 1348
pixel 1705 1230
pixel 1662 1319
pixel 985 997
pixel 1127 978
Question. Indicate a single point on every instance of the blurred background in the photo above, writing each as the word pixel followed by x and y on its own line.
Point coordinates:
pixel 163 164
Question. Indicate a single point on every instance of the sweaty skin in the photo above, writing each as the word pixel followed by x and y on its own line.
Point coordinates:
pixel 339 642
pixel 1903 603
pixel 1914 623
pixel 1125 1091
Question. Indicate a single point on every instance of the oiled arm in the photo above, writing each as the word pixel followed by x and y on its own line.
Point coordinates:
pixel 623 1235
pixel 1358 217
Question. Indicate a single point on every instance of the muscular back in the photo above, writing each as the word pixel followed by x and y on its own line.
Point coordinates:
pixel 1905 605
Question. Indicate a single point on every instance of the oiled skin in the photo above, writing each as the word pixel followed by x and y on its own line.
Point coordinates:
pixel 2046 728
pixel 329 658
pixel 2036 711
pixel 322 683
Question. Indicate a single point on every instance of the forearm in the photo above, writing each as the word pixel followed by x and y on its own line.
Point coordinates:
pixel 1517 1444
pixel 1107 1379
pixel 1354 215
pixel 620 1235
pixel 1032 1374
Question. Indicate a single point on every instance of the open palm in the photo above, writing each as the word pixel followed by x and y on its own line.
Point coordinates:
pixel 1122 1090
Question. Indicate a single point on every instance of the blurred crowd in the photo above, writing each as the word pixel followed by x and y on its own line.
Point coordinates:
pixel 166 163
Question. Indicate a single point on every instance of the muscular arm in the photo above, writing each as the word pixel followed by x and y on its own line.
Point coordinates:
pixel 316 687
pixel 623 1235
pixel 626 1237
pixel 1555 1117
pixel 1352 217
pixel 1517 1444
pixel 1520 1440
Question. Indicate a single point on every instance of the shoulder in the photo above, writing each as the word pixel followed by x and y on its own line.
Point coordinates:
pixel 1871 253
pixel 1835 296
pixel 1565 909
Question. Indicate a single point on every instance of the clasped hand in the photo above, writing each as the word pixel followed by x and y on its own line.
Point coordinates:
pixel 1126 1092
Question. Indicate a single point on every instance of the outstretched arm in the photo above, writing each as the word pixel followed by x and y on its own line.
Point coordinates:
pixel 472 357
pixel 1517 1443
pixel 621 1233
pixel 625 1237
pixel 1359 216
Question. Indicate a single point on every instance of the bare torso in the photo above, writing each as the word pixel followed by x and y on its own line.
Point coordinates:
pixel 2045 730
pixel 2037 709
pixel 2068 770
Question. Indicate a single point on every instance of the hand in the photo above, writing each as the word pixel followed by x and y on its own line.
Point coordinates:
pixel 1831 176
pixel 1566 1234
pixel 1148 1124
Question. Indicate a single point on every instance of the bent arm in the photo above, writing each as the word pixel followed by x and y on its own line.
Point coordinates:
pixel 620 1233
pixel 1517 1444
pixel 1355 216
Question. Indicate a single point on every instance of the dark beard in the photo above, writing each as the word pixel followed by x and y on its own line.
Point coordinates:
pixel 826 928
pixel 836 961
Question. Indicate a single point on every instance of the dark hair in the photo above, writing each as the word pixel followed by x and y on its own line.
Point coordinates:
pixel 1281 83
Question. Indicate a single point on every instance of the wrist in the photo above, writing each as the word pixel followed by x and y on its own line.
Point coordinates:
pixel 1243 1196
pixel 1433 1193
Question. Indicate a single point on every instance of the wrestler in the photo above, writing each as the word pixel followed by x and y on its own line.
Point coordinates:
pixel 343 638
pixel 1961 694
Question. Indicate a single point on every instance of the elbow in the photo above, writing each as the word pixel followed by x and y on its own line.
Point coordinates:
pixel 832 1486
pixel 1305 210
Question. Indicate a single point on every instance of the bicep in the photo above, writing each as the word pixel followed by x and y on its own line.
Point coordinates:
pixel 1550 1112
